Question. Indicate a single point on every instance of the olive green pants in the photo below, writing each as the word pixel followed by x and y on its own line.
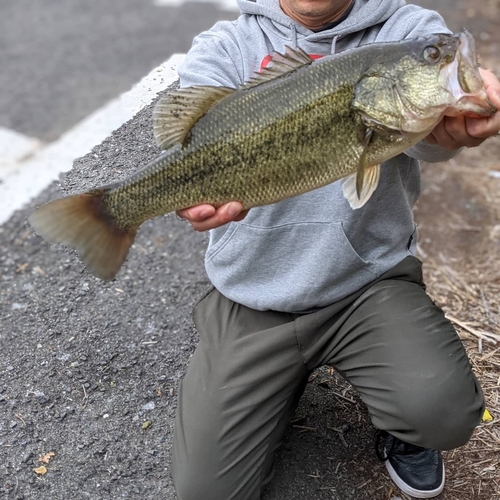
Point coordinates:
pixel 389 340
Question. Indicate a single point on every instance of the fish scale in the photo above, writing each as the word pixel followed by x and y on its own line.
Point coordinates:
pixel 295 154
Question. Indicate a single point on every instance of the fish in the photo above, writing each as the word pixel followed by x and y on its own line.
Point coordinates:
pixel 297 125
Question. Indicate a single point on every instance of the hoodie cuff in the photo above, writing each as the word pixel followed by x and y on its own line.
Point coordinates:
pixel 431 153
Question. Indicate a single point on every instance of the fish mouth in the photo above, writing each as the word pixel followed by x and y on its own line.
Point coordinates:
pixel 462 79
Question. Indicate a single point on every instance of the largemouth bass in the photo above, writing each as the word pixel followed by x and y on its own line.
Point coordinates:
pixel 295 127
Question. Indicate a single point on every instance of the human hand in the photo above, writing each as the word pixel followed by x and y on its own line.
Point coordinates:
pixel 454 132
pixel 205 217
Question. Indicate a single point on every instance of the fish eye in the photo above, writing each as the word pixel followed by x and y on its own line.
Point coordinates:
pixel 432 54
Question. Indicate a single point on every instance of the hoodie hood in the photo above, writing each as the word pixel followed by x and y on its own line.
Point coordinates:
pixel 365 14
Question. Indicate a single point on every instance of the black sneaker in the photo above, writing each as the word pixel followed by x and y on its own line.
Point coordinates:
pixel 417 471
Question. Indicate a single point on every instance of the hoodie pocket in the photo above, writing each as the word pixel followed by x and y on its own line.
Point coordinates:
pixel 300 265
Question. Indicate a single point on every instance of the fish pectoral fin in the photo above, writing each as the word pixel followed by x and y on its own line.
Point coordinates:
pixel 77 222
pixel 360 174
pixel 282 64
pixel 175 114
pixel 349 187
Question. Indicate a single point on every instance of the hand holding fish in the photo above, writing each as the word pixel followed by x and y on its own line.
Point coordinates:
pixel 205 217
pixel 454 132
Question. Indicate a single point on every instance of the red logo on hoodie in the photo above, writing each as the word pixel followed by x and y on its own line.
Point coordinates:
pixel 265 62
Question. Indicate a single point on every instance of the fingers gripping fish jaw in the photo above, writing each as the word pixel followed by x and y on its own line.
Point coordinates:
pixel 464 82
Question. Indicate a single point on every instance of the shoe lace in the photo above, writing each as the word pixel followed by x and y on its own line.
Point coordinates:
pixel 384 454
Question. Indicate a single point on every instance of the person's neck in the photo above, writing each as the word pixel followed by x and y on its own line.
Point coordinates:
pixel 313 21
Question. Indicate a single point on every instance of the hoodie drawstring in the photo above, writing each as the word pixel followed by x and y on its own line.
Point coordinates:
pixel 293 36
pixel 295 42
pixel 334 44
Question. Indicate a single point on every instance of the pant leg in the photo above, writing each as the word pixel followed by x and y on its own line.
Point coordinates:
pixel 406 361
pixel 240 391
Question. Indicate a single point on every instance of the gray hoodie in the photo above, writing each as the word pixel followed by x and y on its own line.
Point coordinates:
pixel 312 250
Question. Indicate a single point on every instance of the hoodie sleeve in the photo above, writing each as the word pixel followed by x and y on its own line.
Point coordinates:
pixel 431 153
pixel 212 60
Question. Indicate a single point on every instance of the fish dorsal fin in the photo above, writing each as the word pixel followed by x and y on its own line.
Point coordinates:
pixel 175 114
pixel 282 64
pixel 349 188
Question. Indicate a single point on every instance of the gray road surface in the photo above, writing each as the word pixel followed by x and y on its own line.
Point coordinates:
pixel 61 59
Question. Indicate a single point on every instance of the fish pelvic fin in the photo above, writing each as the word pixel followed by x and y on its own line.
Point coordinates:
pixel 175 114
pixel 370 183
pixel 79 223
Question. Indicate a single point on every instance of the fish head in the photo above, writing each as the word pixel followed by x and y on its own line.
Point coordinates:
pixel 423 80
pixel 465 83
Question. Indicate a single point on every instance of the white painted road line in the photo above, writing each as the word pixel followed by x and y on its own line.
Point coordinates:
pixel 227 5
pixel 14 149
pixel 37 172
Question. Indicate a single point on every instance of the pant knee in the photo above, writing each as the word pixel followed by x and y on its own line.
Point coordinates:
pixel 191 486
pixel 192 489
pixel 199 478
pixel 443 419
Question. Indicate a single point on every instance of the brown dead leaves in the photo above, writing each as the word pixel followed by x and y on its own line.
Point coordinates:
pixel 42 470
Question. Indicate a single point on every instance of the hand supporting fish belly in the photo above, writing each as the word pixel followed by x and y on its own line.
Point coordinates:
pixel 295 127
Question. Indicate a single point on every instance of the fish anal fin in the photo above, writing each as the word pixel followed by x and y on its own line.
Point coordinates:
pixel 349 187
pixel 281 64
pixel 77 222
pixel 175 114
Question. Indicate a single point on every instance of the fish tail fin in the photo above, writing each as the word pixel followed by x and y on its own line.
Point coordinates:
pixel 78 222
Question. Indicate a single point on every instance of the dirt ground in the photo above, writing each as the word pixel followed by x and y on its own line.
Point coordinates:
pixel 91 369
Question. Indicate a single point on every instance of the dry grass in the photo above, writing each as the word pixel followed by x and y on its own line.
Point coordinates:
pixel 461 254
pixel 470 297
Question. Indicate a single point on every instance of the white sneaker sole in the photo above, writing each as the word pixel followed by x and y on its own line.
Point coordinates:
pixel 405 488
